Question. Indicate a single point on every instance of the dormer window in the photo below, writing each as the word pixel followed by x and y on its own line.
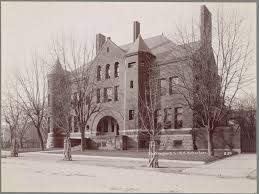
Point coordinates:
pixel 107 71
pixel 116 69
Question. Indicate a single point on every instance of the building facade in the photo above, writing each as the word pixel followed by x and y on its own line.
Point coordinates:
pixel 120 73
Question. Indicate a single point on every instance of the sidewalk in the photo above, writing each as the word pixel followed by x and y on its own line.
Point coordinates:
pixel 238 166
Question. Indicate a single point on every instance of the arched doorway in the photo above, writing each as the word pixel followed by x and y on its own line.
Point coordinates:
pixel 107 125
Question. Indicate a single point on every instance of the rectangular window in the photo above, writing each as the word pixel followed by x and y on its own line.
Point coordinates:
pixel 173 82
pixel 163 86
pixel 158 119
pixel 98 95
pixel 167 118
pixel 48 99
pixel 178 117
pixel 107 94
pixel 131 114
pixel 131 84
pixel 48 124
pixel 131 64
pixel 75 124
pixel 107 71
pixel 116 69
pixel 116 96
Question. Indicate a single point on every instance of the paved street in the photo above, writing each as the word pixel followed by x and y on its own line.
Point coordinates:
pixel 48 173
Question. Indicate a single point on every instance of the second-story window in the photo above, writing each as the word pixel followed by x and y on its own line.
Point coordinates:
pixel 162 87
pixel 107 71
pixel 99 73
pixel 173 82
pixel 116 69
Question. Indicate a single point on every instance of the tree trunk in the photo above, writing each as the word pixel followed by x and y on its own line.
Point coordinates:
pixel 210 142
pixel 153 154
pixel 82 139
pixel 40 137
pixel 67 149
pixel 14 151
pixel 21 146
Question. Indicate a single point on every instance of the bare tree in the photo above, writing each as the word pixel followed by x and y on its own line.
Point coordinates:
pixel 149 104
pixel 214 70
pixel 33 94
pixel 77 57
pixel 12 113
pixel 22 129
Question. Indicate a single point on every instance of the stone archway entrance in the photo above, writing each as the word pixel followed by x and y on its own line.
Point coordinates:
pixel 107 125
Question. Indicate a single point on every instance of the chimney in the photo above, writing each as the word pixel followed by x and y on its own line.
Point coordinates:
pixel 136 30
pixel 205 28
pixel 100 40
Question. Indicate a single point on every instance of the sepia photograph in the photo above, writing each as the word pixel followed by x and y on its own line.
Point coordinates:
pixel 128 97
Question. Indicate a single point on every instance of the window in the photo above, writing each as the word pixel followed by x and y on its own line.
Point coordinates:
pixel 48 99
pixel 162 87
pixel 107 49
pixel 158 118
pixel 131 84
pixel 131 114
pixel 107 94
pixel 48 124
pixel 167 118
pixel 75 124
pixel 116 69
pixel 173 82
pixel 87 128
pixel 177 142
pixel 107 71
pixel 99 69
pixel 98 95
pixel 131 64
pixel 116 96
pixel 178 117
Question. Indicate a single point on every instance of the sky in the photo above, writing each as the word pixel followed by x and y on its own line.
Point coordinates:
pixel 30 26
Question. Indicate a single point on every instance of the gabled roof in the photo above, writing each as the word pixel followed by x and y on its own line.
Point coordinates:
pixel 163 48
pixel 139 46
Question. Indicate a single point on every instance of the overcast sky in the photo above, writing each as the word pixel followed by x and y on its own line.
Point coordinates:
pixel 26 26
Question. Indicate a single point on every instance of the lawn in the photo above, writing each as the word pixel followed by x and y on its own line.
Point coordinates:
pixel 169 155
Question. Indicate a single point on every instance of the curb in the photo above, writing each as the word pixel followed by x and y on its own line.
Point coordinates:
pixel 123 158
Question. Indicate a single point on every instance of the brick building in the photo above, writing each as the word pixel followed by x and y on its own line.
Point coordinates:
pixel 120 71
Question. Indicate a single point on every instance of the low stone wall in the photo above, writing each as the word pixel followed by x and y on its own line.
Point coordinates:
pixel 176 142
pixel 107 142
pixel 224 138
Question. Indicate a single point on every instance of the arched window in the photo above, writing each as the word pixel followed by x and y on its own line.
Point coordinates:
pixel 99 73
pixel 107 71
pixel 116 69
